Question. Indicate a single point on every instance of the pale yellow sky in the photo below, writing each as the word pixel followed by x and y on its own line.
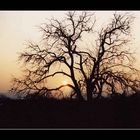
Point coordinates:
pixel 17 27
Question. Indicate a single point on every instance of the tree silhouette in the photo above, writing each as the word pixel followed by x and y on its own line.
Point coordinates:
pixel 111 68
pixel 106 67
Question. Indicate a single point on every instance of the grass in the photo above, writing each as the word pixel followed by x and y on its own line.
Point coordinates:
pixel 121 112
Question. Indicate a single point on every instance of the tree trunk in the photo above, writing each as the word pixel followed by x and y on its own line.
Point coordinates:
pixel 89 93
pixel 100 92
pixel 79 95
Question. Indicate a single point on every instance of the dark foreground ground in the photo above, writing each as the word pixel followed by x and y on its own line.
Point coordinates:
pixel 44 113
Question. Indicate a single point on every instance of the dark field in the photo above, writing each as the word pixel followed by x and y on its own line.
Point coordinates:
pixel 121 112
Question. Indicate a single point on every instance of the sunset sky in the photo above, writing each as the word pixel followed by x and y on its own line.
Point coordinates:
pixel 18 27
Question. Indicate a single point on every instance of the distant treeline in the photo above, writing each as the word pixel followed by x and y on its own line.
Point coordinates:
pixel 116 112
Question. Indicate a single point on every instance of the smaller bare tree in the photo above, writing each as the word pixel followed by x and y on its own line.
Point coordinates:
pixel 111 65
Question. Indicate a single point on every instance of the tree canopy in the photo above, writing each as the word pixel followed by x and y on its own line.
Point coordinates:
pixel 107 67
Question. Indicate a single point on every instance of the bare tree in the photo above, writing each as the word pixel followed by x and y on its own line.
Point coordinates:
pixel 104 70
pixel 61 40
pixel 113 63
